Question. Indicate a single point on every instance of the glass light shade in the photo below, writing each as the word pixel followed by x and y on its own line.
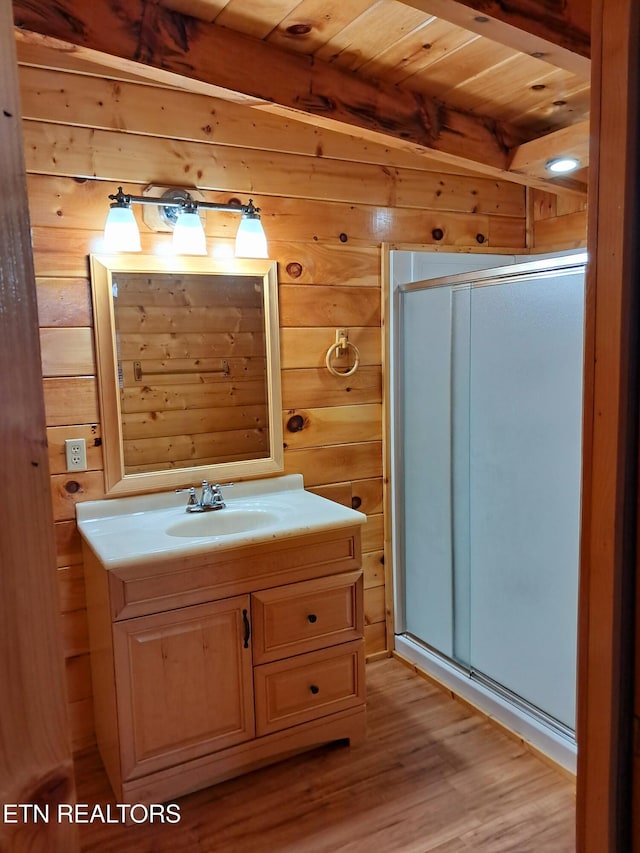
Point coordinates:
pixel 188 235
pixel 121 231
pixel 562 165
pixel 251 241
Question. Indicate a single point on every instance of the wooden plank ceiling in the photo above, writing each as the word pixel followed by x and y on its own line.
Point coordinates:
pixel 416 75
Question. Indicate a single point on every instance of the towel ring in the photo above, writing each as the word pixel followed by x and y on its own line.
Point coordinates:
pixel 342 343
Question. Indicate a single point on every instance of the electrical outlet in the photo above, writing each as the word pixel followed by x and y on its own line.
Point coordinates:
pixel 76 453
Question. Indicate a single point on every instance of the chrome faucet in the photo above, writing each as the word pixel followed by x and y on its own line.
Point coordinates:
pixel 210 498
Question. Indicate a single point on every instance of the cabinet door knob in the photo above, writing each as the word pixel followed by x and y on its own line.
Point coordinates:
pixel 314 689
pixel 312 618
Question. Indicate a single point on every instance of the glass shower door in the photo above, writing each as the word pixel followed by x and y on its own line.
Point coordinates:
pixel 525 414
pixel 490 394
pixel 426 450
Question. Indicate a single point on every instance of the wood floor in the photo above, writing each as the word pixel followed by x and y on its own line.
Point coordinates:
pixel 431 776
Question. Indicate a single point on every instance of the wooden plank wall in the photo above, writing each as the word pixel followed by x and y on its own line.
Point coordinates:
pixel 329 201
pixel 557 222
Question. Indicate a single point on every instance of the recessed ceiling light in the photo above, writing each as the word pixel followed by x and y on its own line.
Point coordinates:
pixel 562 165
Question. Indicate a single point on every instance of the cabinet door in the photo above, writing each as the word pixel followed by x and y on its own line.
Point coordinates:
pixel 184 684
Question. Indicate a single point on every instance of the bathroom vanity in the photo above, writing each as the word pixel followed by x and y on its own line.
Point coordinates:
pixel 221 641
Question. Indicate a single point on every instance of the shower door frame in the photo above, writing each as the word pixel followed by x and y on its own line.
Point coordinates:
pixel 557 744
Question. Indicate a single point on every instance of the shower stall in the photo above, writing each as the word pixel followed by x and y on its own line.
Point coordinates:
pixel 488 371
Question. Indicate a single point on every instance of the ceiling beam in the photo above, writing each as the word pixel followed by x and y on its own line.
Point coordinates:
pixel 531 158
pixel 558 32
pixel 178 50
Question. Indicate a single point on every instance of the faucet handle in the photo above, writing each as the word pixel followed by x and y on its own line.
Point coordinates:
pixel 192 495
pixel 218 487
pixel 217 499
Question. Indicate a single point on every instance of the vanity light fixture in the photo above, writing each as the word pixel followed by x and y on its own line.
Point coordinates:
pixel 121 229
pixel 188 233
pixel 562 165
pixel 251 241
pixel 181 213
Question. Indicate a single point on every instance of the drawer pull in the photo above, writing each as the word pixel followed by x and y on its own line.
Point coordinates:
pixel 314 689
pixel 312 618
pixel 247 629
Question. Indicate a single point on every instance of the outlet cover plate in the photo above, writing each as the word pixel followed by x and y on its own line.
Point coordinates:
pixel 76 454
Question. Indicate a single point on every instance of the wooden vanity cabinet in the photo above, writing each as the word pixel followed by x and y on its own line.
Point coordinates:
pixel 209 666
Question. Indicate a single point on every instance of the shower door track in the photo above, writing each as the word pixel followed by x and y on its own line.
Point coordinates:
pixel 540 731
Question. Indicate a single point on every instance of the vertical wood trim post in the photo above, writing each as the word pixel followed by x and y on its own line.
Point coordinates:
pixel 35 757
pixel 610 437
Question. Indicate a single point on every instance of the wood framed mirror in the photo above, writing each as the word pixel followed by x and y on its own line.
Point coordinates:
pixel 188 363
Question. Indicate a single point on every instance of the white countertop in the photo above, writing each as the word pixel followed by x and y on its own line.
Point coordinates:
pixel 131 531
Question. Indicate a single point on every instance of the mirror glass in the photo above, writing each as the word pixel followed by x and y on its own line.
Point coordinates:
pixel 188 370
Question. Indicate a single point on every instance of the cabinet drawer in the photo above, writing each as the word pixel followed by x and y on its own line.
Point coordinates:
pixel 306 687
pixel 301 617
pixel 155 588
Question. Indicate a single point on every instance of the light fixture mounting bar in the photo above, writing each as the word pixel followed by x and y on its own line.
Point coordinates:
pixel 185 201
pixel 180 212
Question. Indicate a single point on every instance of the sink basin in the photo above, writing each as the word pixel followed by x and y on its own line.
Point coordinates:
pixel 222 522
